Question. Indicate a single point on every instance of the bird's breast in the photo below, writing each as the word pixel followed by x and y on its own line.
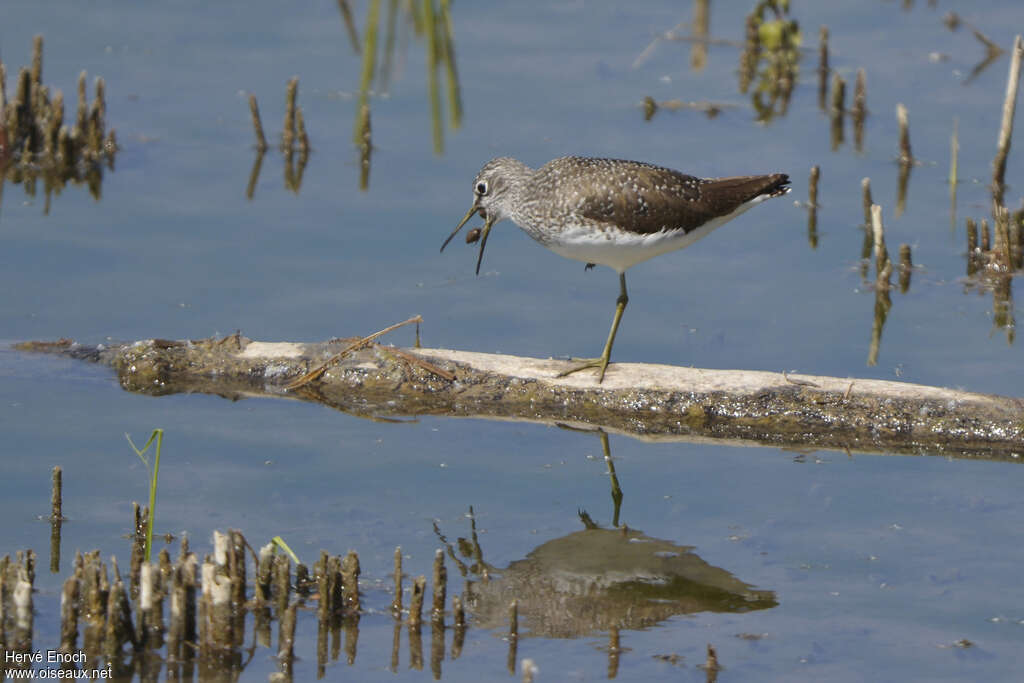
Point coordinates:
pixel 609 246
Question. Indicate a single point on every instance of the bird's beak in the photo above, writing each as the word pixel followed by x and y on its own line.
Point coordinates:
pixel 469 214
pixel 488 222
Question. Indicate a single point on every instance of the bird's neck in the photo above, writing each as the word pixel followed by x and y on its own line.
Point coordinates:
pixel 518 179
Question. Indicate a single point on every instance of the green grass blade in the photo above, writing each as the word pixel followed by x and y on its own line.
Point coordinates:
pixel 159 434
pixel 154 472
pixel 279 542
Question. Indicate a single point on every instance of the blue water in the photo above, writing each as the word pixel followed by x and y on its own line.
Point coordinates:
pixel 879 563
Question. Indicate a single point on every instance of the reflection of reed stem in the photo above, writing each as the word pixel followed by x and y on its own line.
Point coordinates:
pixel 389 45
pixel 883 303
pixel 1002 238
pixel 812 213
pixel 436 648
pixel 350 24
pixel 906 268
pixel 369 62
pixel 972 246
pixel 460 627
pixel 822 66
pixel 323 585
pixel 1016 248
pixel 419 587
pixel 289 170
pixel 433 55
pixel 286 640
pixel 300 128
pixel 459 612
pixel 396 642
pixel 614 651
pixel 365 145
pixel 954 156
pixel 513 635
pixel 71 603
pixel 902 182
pixel 711 665
pixel 416 15
pixel 300 167
pixel 837 109
pixel 415 644
pixel 1002 307
pixel 701 24
pixel 865 186
pixel 859 111
pixel 3 95
pixel 838 95
pixel 254 174
pixel 448 54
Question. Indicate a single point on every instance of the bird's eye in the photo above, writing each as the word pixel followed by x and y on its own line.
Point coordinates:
pixel 481 188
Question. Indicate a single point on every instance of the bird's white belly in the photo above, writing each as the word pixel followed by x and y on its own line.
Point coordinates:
pixel 620 249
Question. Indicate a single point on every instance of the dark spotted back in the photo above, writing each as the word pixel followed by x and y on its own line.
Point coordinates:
pixel 644 198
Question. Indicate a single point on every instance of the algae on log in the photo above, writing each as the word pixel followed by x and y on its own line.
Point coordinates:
pixel 646 401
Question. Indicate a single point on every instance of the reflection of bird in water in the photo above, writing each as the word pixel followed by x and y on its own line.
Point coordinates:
pixel 599 579
pixel 595 579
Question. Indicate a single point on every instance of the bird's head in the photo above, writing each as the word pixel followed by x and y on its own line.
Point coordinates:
pixel 493 195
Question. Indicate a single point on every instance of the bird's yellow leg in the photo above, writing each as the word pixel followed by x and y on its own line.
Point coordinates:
pixel 602 362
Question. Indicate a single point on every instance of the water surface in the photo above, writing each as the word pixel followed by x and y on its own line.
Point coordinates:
pixel 879 564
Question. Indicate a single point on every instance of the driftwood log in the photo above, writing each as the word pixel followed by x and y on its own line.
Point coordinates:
pixel 653 402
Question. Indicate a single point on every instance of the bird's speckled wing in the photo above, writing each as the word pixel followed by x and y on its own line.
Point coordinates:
pixel 644 198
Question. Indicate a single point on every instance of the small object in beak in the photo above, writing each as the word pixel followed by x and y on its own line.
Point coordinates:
pixel 465 219
pixel 472 236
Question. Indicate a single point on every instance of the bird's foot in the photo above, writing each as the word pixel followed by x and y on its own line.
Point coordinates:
pixel 588 363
